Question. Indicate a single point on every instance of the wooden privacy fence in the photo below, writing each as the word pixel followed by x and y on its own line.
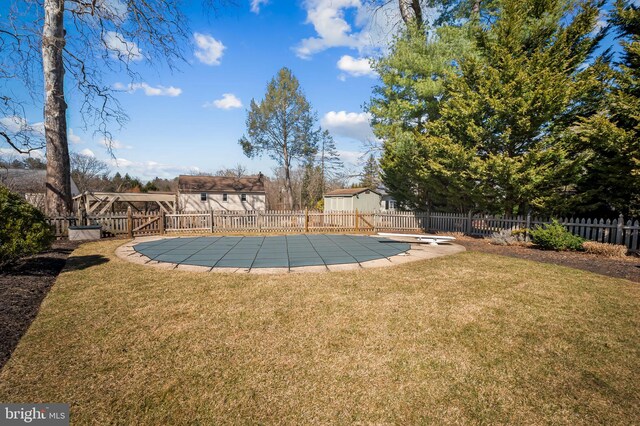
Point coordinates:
pixel 616 231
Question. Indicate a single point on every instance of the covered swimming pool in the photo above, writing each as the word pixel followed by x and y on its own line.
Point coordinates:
pixel 286 251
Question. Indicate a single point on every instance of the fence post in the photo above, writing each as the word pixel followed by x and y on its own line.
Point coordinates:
pixel 620 230
pixel 527 227
pixel 357 221
pixel 162 222
pixel 259 220
pixel 129 222
pixel 306 219
pixel 212 221
pixel 469 222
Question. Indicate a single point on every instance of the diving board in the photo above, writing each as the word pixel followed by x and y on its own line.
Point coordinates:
pixel 421 238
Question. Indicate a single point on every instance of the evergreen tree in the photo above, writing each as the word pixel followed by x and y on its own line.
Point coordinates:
pixel 611 138
pixel 370 173
pixel 511 105
pixel 496 138
pixel 312 185
pixel 409 97
pixel 328 159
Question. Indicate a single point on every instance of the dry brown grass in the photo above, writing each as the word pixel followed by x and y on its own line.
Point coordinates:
pixel 606 250
pixel 472 338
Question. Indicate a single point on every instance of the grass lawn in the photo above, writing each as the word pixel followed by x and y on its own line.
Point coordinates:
pixel 470 338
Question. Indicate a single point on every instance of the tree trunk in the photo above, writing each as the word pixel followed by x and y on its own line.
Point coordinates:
pixel 287 186
pixel 411 11
pixel 58 189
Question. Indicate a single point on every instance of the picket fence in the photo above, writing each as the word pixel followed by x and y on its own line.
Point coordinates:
pixel 616 231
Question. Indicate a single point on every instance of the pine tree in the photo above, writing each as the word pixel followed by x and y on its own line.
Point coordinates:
pixel 312 185
pixel 328 159
pixel 611 138
pixel 409 97
pixel 497 141
pixel 370 173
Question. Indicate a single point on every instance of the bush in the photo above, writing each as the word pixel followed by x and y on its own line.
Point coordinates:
pixel 555 237
pixel 507 237
pixel 602 249
pixel 23 228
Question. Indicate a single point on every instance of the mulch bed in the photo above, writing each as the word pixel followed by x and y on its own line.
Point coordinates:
pixel 23 287
pixel 628 268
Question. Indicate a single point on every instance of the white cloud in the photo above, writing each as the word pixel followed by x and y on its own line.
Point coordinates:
pixel 121 48
pixel 602 22
pixel 149 90
pixel 209 50
pixel 255 5
pixel 116 9
pixel 333 30
pixel 351 157
pixel 114 144
pixel 73 138
pixel 147 170
pixel 349 23
pixel 228 101
pixel 355 67
pixel 12 153
pixel 15 124
pixel 349 124
pixel 87 152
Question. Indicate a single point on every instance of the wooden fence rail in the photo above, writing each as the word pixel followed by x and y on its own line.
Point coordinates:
pixel 616 231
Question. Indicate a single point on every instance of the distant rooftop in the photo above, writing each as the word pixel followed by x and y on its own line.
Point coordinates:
pixel 348 192
pixel 187 183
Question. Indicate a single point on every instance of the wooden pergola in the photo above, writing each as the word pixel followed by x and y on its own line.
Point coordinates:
pixel 96 203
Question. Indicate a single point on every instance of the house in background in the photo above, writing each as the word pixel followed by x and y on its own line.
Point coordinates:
pixel 387 202
pixel 206 193
pixel 350 199
pixel 30 183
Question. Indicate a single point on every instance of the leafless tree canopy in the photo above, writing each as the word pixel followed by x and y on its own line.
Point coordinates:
pixel 100 35
pixel 45 43
pixel 87 171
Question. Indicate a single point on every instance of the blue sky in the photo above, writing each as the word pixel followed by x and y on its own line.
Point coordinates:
pixel 191 119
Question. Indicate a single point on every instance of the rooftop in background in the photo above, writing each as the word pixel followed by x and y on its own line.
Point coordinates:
pixel 253 184
pixel 348 192
pixel 28 181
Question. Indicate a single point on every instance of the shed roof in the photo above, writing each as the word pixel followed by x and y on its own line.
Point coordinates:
pixel 188 183
pixel 348 192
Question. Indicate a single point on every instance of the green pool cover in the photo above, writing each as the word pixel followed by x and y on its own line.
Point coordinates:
pixel 270 252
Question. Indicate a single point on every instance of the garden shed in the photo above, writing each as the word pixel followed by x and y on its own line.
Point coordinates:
pixel 351 199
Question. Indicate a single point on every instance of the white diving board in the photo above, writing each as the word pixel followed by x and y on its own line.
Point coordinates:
pixel 422 238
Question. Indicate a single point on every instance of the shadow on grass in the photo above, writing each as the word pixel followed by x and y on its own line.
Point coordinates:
pixel 78 263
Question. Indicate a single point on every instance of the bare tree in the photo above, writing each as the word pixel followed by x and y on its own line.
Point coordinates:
pixel 42 40
pixel 236 171
pixel 88 172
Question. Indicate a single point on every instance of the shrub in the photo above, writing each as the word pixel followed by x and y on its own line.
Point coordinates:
pixel 602 249
pixel 23 228
pixel 507 237
pixel 554 236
